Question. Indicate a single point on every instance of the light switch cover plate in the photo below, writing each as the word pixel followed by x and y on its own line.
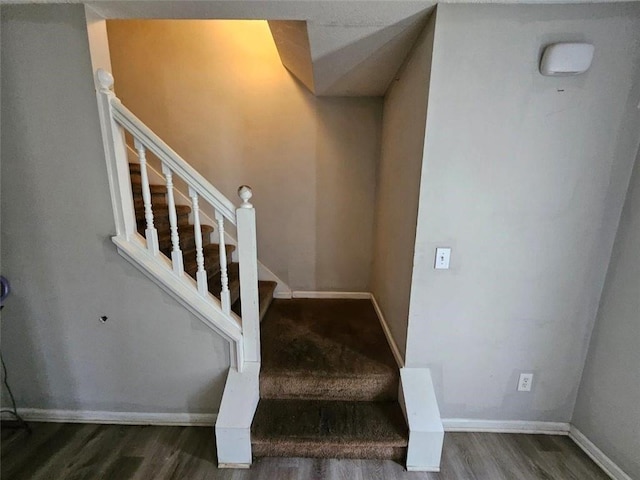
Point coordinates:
pixel 443 257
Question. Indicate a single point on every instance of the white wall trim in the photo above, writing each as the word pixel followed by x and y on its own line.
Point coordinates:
pixel 387 333
pixel 598 456
pixel 504 426
pixel 316 294
pixel 117 418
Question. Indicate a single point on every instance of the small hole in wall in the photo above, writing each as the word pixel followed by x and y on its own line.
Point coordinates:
pixel 103 319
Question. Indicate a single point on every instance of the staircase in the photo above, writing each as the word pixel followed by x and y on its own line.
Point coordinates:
pixel 328 381
pixel 328 384
pixel 317 378
pixel 187 241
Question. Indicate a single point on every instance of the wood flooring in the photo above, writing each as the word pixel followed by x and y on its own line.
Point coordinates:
pixel 89 451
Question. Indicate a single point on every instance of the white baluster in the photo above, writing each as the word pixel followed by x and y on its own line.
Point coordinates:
pixel 248 258
pixel 201 274
pixel 176 253
pixel 151 234
pixel 224 277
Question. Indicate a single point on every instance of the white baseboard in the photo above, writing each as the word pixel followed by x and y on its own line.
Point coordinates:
pixel 422 469
pixel 117 418
pixel 598 456
pixel 342 295
pixel 504 426
pixel 387 332
pixel 282 294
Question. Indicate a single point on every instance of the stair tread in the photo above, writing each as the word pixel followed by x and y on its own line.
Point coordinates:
pixel 329 422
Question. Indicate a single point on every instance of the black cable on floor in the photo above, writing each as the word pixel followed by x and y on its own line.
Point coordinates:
pixel 13 410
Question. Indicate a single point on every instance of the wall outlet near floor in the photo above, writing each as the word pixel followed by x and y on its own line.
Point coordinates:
pixel 524 382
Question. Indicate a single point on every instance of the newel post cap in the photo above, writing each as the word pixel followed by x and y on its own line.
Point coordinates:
pixel 105 80
pixel 245 194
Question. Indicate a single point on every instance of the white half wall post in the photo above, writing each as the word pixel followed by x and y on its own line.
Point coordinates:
pixel 420 407
pixel 233 425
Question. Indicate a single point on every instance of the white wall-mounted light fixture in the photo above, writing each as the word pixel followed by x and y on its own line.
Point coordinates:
pixel 562 59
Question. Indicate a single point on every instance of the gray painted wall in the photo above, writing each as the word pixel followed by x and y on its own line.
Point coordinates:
pixel 398 188
pixel 151 355
pixel 608 406
pixel 524 177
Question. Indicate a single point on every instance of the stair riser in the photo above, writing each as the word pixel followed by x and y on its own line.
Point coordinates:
pixel 187 241
pixel 156 199
pixel 322 388
pixel 136 184
pixel 161 222
pixel 327 450
pixel 215 288
pixel 212 268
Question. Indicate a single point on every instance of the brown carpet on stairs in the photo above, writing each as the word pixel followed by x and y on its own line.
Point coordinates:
pixel 328 383
pixel 329 429
pixel 326 350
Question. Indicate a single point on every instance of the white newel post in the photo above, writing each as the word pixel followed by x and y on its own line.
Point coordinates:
pixel 116 156
pixel 248 260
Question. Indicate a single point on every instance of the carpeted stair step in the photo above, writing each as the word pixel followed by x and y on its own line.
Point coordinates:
pixel 161 216
pixel 187 237
pixel 156 201
pixel 329 429
pixel 265 297
pixel 326 350
pixel 158 192
pixel 211 254
pixel 233 274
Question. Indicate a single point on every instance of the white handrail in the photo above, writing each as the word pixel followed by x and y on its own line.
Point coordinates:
pixel 123 116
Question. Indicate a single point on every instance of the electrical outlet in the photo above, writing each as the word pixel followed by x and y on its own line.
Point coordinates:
pixel 524 382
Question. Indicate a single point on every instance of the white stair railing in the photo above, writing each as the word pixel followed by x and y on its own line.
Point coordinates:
pixel 242 332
